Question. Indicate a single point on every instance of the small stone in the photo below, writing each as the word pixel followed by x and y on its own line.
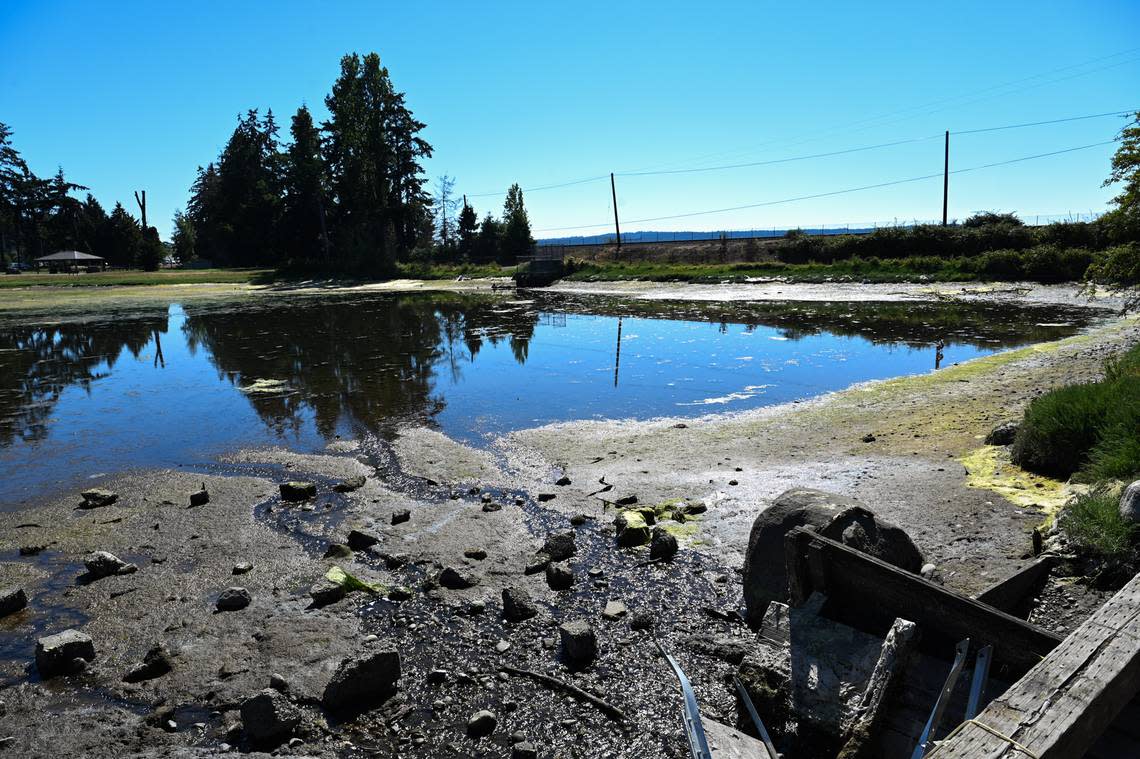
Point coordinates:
pixel 928 570
pixel 278 683
pixel 578 520
pixel 642 620
pixel 491 507
pixel 680 426
pixel 560 546
pixel 12 600
pixel 363 679
pixel 663 545
pixel 269 716
pixel 478 554
pixel 103 564
pixel 626 500
pixel 477 607
pixel 517 605
pixel 298 491
pixel 482 723
pixel 338 551
pixel 544 497
pixel 399 593
pixel 503 646
pixel 349 485
pixel 632 529
pixel 868 438
pixel 401 516
pixel 579 643
pixel 524 750
pixel 733 482
pixel 233 599
pixel 559 576
pixel 458 578
pixel 97 498
pixel 241 568
pixel 615 610
pixel 200 498
pixel 562 481
pixel 155 663
pixel 324 592
pixel 359 540
pixel 64 653
pixel 438 676
pixel 540 562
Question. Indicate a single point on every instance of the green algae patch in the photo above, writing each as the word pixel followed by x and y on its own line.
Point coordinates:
pixel 989 468
pixel 632 529
pixel 683 531
pixel 352 583
pixel 266 387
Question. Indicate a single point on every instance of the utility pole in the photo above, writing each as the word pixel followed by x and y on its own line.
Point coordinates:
pixel 617 228
pixel 946 179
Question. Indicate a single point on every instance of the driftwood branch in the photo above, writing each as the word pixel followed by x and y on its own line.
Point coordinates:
pixel 609 709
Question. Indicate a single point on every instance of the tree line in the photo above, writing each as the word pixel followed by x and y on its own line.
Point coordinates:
pixel 40 216
pixel 347 195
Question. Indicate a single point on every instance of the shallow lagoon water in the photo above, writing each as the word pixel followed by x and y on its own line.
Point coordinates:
pixel 179 385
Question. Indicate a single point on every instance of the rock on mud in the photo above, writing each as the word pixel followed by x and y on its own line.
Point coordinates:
pixel 559 576
pixel 401 515
pixel 834 516
pixel 615 610
pixel 324 592
pixel 359 540
pixel 361 681
pixel 482 723
pixel 103 564
pixel 349 485
pixel 12 600
pixel 200 498
pixel 517 605
pixel 560 546
pixel 524 750
pixel 298 491
pixel 269 717
pixel 579 643
pixel 155 663
pixel 1003 434
pixel 233 599
pixel 632 529
pixel 663 545
pixel 63 653
pixel 97 498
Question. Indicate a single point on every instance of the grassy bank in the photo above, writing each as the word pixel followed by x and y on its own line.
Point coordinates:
pixel 134 278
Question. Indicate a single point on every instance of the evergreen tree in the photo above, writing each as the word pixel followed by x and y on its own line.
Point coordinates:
pixel 304 229
pixel 467 230
pixel 249 193
pixel 516 240
pixel 204 210
pixel 183 238
pixel 125 238
pixel 488 243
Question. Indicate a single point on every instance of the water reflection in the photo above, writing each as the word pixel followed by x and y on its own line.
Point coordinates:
pixel 111 391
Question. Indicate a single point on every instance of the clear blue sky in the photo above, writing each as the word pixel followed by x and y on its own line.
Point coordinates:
pixel 134 95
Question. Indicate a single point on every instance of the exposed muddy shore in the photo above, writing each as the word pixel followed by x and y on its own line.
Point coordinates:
pixel 910 448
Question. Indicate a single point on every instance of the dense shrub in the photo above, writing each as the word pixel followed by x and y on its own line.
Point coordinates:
pixel 1092 430
pixel 1116 267
pixel 1093 522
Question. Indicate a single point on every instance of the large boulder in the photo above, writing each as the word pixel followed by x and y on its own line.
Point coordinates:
pixel 833 516
pixel 64 653
pixel 1130 504
pixel 269 717
pixel 517 605
pixel 12 600
pixel 103 564
pixel 361 681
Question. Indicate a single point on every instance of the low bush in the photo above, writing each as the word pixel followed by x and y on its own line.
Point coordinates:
pixel 1116 267
pixel 1094 524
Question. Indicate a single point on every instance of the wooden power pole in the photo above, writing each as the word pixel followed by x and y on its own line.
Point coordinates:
pixel 617 227
pixel 946 179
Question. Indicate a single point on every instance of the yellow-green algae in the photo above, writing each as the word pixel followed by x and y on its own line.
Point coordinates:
pixel 989 468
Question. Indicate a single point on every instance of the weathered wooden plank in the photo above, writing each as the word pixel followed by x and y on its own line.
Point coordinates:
pixel 1062 705
pixel 729 743
pixel 859 585
pixel 1009 594
pixel 860 734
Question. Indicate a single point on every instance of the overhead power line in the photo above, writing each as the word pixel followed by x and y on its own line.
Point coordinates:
pixel 835 192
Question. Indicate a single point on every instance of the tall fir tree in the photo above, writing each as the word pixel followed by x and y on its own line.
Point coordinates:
pixel 304 222
pixel 517 241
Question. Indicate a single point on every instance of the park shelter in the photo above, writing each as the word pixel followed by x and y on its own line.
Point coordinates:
pixel 70 260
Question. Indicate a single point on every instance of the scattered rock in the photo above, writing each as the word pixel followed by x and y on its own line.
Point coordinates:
pixel 626 500
pixel 1003 434
pixel 96 498
pixel 458 578
pixel 359 541
pixel 664 544
pixel 868 438
pixel 401 516
pixel 241 568
pixel 349 485
pixel 200 498
pixel 438 676
pixel 524 750
pixel 63 653
pixel 155 663
pixel 680 426
pixel 544 497
pixel 364 679
pixel 399 593
pixel 560 545
pixel 103 564
pixel 517 605
pixel 478 554
pixel 579 643
pixel 233 599
pixel 482 723
pixel 491 507
pixel 642 620
pixel 928 570
pixel 578 520
pixel 1130 503
pixel 559 576
pixel 298 491
pixel 12 600
pixel 278 683
pixel 562 481
pixel 632 529
pixel 834 516
pixel 269 717
pixel 615 610
pixel 503 646
pixel 540 562
pixel 338 551
pixel 324 592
